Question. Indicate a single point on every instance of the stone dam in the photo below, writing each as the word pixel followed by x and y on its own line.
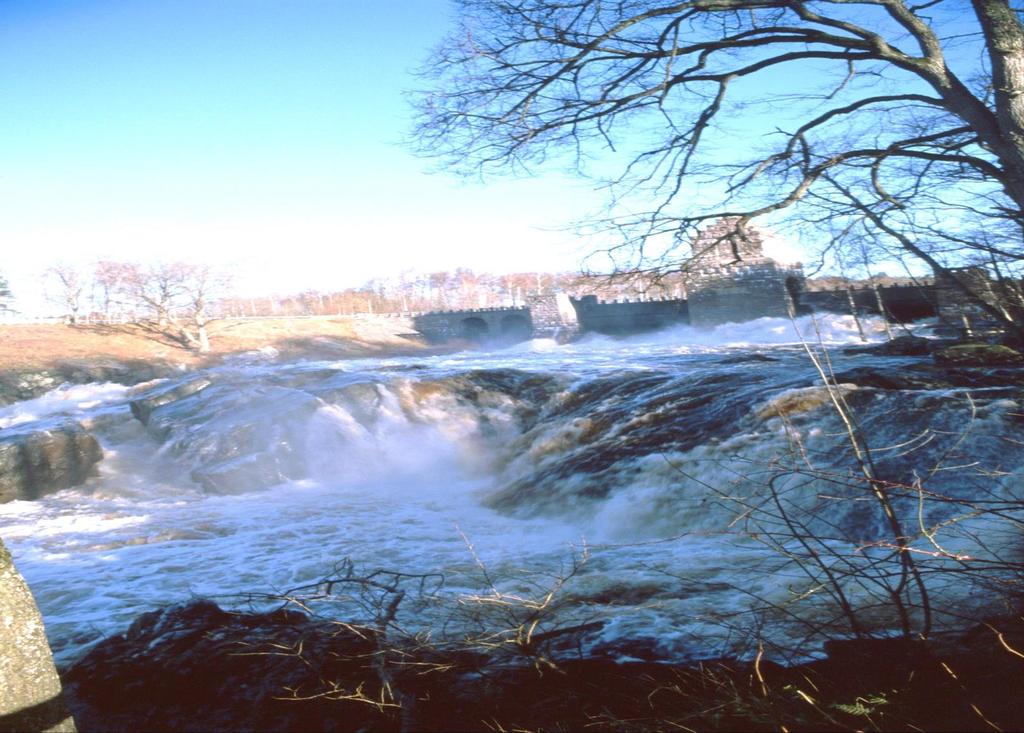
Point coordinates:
pixel 728 279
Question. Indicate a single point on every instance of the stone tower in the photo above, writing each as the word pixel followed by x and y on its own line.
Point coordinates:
pixel 731 280
pixel 721 245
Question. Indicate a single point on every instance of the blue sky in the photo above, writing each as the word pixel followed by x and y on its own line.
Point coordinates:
pixel 262 135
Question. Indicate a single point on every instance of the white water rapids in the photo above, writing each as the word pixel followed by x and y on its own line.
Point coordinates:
pixel 643 461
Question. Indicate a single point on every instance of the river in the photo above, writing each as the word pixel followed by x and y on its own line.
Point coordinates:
pixel 687 494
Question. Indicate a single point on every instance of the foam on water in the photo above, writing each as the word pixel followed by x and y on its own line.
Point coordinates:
pixel 830 329
pixel 596 352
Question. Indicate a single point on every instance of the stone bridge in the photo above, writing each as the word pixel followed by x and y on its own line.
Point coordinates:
pixel 478 325
pixel 543 316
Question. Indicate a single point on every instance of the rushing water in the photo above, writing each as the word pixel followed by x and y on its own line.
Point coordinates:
pixel 670 481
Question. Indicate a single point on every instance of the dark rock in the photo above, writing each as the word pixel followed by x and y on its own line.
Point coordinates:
pixel 978 354
pixel 892 379
pixel 197 667
pixel 37 460
pixel 648 649
pixel 755 357
pixel 930 376
pixel 16 386
pixel 1013 340
pixel 900 346
pixel 30 694
pixel 896 650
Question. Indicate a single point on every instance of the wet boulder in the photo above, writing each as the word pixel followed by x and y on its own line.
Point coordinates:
pixel 255 470
pixel 38 459
pixel 361 399
pixel 143 405
pixel 802 399
pixel 26 384
pixel 923 377
pixel 236 436
pixel 30 695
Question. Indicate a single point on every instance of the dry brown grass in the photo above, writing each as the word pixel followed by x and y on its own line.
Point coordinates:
pixel 44 346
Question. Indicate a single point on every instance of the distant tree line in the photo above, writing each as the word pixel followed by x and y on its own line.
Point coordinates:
pixel 460 289
pixel 179 294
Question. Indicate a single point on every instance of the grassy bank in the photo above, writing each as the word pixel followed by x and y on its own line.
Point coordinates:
pixel 46 346
pixel 36 358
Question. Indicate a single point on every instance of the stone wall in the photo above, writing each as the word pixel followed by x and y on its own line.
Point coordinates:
pixel 743 292
pixel 30 690
pixel 553 316
pixel 729 279
pixel 623 317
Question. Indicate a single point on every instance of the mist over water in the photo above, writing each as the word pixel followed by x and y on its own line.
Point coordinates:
pixel 648 457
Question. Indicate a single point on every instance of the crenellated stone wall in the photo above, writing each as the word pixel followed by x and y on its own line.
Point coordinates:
pixel 743 292
pixel 628 316
pixel 723 243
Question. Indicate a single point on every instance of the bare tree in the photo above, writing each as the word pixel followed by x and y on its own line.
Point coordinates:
pixel 113 280
pixel 200 284
pixel 853 119
pixel 158 288
pixel 66 286
pixel 173 291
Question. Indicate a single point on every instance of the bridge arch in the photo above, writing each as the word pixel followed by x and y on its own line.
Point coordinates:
pixel 515 327
pixel 474 329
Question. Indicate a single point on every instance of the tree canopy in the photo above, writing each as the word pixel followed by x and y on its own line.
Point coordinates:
pixel 876 128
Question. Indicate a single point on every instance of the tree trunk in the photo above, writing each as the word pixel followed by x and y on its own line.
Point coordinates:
pixel 853 311
pixel 1004 35
pixel 204 340
pixel 881 307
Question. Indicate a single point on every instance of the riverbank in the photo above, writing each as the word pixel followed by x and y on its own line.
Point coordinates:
pixel 35 358
pixel 196 667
